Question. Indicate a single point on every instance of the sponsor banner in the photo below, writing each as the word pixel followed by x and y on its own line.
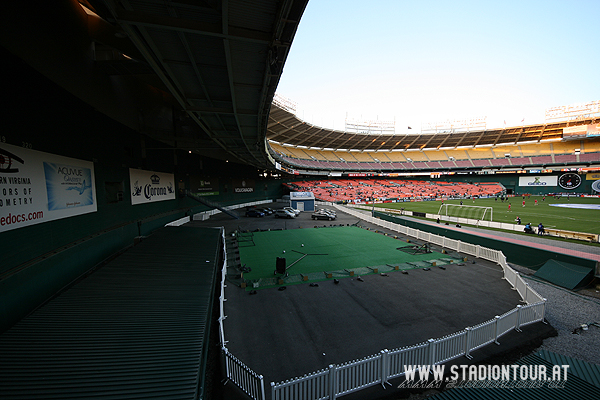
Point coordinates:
pixel 149 186
pixel 301 195
pixel 593 130
pixel 243 186
pixel 204 186
pixel 581 131
pixel 37 187
pixel 592 176
pixel 575 132
pixel 533 181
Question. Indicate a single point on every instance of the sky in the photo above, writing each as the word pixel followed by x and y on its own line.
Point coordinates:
pixel 423 61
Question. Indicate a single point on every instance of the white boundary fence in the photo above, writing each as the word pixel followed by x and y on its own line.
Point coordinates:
pixel 237 372
pixel 352 376
pixel 204 215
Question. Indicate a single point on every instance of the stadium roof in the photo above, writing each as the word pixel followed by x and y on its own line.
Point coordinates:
pixel 220 61
pixel 285 128
pixel 201 75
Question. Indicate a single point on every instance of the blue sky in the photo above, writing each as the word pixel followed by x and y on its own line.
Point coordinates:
pixel 422 61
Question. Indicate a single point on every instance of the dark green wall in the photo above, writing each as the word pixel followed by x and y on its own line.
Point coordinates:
pixel 39 260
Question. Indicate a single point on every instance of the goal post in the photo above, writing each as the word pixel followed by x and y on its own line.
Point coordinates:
pixel 469 212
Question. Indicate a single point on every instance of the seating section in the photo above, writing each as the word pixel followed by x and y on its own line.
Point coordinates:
pixel 361 190
pixel 520 161
pixel 545 154
pixel 500 162
pixel 590 157
pixel 538 149
pixel 456 154
pixel 480 153
pixel 567 147
pixel 436 155
pixel 415 156
pixel 397 156
pixel 362 157
pixel 502 151
pixel 565 159
pixel 591 146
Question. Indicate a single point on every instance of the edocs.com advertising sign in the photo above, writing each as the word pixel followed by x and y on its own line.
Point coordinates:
pixel 37 187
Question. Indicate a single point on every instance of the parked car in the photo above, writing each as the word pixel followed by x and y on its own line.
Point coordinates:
pixel 266 210
pixel 283 213
pixel 269 209
pixel 326 210
pixel 254 213
pixel 295 211
pixel 323 214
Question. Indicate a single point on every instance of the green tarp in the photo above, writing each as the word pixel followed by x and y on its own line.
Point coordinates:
pixel 564 274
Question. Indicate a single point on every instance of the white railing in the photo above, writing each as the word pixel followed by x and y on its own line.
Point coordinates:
pixel 482 334
pixel 507 321
pixel 355 375
pixel 179 222
pixel 379 368
pixel 222 293
pixel 246 379
pixel 239 373
pixel 339 380
pixel 410 355
pixel 201 216
pixel 449 347
pixel 315 386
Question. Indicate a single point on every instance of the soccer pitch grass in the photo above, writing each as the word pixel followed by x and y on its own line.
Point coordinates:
pixel 335 250
pixel 547 211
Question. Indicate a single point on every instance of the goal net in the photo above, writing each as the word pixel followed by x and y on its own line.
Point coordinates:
pixel 464 211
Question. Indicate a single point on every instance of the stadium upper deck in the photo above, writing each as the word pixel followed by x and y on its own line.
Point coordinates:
pixel 285 128
pixel 300 144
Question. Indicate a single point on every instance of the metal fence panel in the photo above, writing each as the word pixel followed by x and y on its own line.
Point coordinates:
pixel 507 322
pixel 482 334
pixel 315 386
pixel 246 379
pixel 358 374
pixel 449 347
pixel 468 248
pixel 532 313
pixel 413 355
pixel 521 287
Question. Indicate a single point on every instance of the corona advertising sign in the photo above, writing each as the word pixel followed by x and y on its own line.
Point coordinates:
pixel 149 186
